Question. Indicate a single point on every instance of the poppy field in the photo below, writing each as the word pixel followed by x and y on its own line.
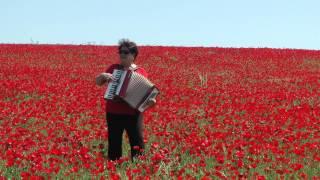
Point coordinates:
pixel 222 113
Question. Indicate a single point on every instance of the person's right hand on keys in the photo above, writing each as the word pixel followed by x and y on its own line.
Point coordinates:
pixel 104 78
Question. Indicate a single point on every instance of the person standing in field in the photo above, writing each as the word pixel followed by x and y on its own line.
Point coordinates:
pixel 119 115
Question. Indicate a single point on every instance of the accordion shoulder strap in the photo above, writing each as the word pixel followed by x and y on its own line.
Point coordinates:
pixel 135 68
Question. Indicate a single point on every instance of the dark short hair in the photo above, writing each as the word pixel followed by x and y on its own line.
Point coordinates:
pixel 132 46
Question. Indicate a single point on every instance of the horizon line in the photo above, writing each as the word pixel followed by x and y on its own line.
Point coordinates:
pixel 156 45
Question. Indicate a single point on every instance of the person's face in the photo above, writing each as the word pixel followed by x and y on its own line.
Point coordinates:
pixel 126 58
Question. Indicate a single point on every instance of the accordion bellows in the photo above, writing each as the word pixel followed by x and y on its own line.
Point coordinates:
pixel 132 87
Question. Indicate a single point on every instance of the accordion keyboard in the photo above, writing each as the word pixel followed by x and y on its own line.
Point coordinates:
pixel 112 87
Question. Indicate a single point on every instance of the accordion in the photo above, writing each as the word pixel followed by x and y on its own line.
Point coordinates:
pixel 133 88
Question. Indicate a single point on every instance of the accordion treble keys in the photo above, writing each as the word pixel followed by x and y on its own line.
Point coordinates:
pixel 112 89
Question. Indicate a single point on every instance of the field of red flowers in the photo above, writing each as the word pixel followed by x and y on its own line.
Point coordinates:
pixel 226 113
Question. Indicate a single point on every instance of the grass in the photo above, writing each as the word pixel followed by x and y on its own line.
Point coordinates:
pixel 166 167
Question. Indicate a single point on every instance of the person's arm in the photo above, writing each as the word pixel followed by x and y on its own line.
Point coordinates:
pixel 105 77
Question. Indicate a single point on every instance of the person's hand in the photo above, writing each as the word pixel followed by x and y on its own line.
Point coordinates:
pixel 108 76
pixel 103 78
pixel 151 102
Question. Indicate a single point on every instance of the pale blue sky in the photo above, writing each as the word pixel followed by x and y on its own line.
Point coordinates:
pixel 224 23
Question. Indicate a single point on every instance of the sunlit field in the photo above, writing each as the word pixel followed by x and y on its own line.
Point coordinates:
pixel 223 113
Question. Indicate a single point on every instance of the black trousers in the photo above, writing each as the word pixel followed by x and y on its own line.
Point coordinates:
pixel 133 124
